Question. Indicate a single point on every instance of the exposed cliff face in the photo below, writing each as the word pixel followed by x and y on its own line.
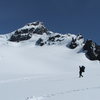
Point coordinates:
pixel 92 50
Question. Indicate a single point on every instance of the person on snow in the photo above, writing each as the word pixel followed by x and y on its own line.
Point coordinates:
pixel 81 69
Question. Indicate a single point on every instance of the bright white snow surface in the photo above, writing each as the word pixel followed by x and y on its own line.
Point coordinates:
pixel 29 72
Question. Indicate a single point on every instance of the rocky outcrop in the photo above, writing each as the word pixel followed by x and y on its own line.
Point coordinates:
pixel 50 40
pixel 40 42
pixel 92 50
pixel 20 37
pixel 75 41
pixel 27 31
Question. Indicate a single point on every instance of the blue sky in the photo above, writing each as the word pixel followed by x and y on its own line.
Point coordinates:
pixel 64 16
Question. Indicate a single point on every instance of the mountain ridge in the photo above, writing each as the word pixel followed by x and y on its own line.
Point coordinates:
pixel 40 35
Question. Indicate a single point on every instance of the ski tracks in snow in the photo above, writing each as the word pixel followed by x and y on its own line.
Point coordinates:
pixel 45 97
pixel 16 79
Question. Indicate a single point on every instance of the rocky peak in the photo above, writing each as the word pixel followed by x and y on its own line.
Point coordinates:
pixel 42 36
pixel 35 23
pixel 27 31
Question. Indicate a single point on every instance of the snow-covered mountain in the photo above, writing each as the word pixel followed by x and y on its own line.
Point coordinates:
pixel 37 34
pixel 42 36
pixel 38 64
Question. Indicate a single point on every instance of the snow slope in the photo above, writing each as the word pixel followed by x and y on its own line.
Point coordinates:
pixel 29 72
pixel 48 70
